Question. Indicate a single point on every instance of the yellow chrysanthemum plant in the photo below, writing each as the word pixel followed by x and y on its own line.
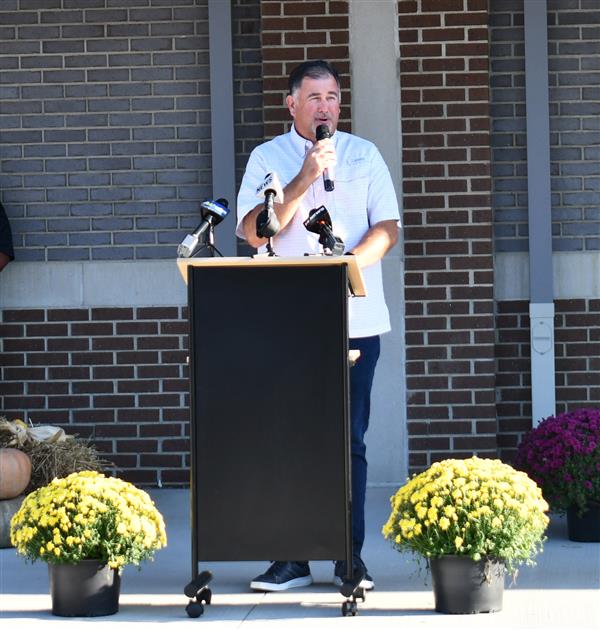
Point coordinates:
pixel 88 516
pixel 481 508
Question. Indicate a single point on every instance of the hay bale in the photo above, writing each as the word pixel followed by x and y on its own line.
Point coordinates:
pixel 52 459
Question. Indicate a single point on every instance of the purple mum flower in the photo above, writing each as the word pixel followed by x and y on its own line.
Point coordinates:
pixel 562 454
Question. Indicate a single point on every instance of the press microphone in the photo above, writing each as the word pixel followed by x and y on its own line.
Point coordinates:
pixel 267 223
pixel 212 212
pixel 319 222
pixel 329 173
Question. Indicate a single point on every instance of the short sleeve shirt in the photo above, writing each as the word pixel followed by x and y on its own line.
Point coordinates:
pixel 364 195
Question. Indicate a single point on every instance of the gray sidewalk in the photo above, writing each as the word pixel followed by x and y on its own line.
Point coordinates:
pixel 562 591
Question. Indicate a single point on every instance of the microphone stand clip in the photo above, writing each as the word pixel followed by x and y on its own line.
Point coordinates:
pixel 208 244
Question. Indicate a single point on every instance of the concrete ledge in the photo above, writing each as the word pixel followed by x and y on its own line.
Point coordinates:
pixel 158 282
pixel 576 275
pixel 81 284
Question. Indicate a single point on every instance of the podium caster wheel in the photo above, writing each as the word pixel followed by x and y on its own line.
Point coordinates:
pixel 195 586
pixel 204 596
pixel 194 610
pixel 360 594
pixel 349 608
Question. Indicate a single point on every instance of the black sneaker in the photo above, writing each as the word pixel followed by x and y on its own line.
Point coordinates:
pixel 283 575
pixel 340 573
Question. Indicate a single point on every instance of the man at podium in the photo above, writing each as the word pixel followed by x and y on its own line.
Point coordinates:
pixel 348 176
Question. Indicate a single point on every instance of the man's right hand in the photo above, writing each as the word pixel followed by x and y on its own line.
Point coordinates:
pixel 319 157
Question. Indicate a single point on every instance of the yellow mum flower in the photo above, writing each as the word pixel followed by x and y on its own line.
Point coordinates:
pixel 480 497
pixel 450 511
pixel 437 501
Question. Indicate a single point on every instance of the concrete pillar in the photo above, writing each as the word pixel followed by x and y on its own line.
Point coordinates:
pixel 374 61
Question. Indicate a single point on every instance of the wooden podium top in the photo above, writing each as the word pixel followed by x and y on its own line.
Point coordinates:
pixel 355 277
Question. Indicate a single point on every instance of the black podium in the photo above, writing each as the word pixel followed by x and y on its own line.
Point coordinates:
pixel 270 440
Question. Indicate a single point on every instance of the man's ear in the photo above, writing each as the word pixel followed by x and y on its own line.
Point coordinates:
pixel 291 105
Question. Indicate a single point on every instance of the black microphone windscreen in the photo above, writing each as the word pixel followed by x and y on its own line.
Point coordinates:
pixel 322 132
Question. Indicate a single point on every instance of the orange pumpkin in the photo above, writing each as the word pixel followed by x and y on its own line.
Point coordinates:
pixel 15 472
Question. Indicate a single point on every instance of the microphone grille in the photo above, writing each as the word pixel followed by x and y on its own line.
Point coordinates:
pixel 322 132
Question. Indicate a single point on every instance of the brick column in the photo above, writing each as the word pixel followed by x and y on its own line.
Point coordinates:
pixel 294 31
pixel 448 229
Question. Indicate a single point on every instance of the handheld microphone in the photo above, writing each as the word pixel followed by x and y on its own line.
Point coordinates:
pixel 267 223
pixel 329 173
pixel 212 212
pixel 319 222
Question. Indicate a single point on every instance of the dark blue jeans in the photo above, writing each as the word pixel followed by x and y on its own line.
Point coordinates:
pixel 361 381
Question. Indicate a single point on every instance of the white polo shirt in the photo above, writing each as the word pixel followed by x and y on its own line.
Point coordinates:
pixel 364 195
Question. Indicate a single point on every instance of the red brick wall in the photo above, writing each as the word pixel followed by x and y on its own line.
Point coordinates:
pixel 294 31
pixel 577 358
pixel 115 375
pixel 444 51
pixel 119 375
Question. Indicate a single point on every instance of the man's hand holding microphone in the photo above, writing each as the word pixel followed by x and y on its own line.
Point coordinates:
pixel 320 160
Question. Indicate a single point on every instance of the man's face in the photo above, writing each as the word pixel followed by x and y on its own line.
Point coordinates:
pixel 316 102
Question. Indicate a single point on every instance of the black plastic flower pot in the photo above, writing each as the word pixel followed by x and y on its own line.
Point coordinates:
pixel 462 586
pixel 86 589
pixel 584 528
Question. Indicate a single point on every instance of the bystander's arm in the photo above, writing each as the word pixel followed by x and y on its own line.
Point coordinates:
pixel 6 242
pixel 376 242
pixel 4 260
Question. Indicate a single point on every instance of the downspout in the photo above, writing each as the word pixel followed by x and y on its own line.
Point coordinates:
pixel 221 114
pixel 541 291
